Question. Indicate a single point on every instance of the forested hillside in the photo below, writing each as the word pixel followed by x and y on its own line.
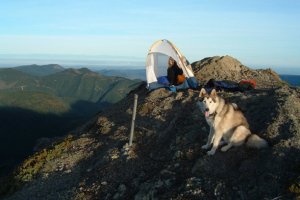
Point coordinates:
pixel 32 106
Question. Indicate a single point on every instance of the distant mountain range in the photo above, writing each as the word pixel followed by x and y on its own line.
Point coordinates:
pixel 126 73
pixel 69 85
pixel 48 101
pixel 40 70
pixel 44 70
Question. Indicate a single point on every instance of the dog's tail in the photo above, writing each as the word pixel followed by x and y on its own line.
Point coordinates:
pixel 255 141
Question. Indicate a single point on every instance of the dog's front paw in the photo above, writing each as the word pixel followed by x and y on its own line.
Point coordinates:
pixel 206 146
pixel 224 149
pixel 211 152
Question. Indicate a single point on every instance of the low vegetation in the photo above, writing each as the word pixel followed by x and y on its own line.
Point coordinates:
pixel 31 167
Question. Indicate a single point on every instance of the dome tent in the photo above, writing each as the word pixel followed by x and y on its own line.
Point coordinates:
pixel 157 65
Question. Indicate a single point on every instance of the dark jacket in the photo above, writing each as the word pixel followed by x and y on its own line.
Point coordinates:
pixel 173 72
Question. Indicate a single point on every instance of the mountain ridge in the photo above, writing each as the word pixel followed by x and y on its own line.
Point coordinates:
pixel 127 73
pixel 40 70
pixel 68 83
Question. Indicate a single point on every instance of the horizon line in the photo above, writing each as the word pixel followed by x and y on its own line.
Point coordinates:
pixel 98 60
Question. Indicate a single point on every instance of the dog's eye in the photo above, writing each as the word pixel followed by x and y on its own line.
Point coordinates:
pixel 204 101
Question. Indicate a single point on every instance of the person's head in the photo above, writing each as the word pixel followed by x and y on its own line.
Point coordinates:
pixel 171 62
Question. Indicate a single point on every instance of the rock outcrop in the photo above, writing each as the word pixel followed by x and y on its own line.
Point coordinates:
pixel 228 68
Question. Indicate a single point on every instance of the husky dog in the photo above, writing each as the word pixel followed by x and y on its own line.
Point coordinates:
pixel 226 123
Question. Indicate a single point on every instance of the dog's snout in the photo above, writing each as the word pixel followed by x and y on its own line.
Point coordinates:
pixel 206 109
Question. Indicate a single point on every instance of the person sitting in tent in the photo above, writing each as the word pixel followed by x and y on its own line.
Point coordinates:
pixel 175 74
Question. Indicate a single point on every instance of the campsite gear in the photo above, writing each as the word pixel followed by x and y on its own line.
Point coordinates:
pixel 172 88
pixel 163 80
pixel 157 64
pixel 230 86
pixel 247 84
pixel 180 79
pixel 222 85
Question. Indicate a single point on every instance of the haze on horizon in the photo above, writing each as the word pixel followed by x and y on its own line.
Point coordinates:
pixel 260 34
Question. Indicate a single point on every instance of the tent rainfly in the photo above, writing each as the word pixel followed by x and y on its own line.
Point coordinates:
pixel 157 65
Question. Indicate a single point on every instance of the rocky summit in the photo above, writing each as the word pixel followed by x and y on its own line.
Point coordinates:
pixel 166 160
pixel 229 68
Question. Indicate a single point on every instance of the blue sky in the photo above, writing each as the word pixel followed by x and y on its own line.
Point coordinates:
pixel 259 33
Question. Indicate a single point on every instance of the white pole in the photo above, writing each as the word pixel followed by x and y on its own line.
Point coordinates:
pixel 133 119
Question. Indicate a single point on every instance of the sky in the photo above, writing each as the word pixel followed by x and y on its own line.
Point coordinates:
pixel 259 33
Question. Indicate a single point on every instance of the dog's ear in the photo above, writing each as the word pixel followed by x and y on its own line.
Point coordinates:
pixel 202 93
pixel 213 94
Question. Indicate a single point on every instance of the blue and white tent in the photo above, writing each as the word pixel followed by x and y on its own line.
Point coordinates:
pixel 157 65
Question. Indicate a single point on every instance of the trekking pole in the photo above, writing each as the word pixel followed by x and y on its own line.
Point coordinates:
pixel 133 119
